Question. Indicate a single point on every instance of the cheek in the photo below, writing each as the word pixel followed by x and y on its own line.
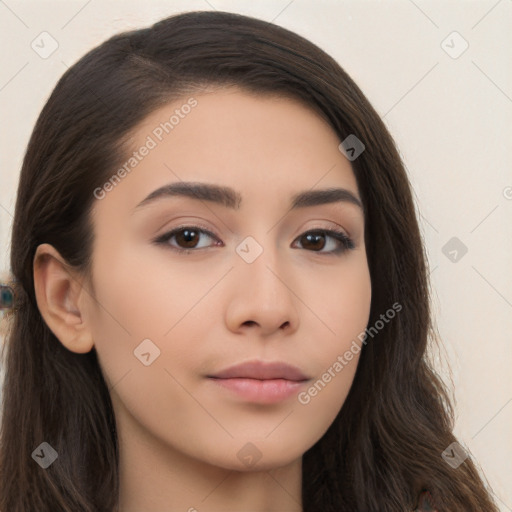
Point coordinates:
pixel 344 307
pixel 342 300
pixel 322 400
pixel 140 296
pixel 148 324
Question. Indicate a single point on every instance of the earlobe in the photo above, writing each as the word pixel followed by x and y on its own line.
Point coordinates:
pixel 60 299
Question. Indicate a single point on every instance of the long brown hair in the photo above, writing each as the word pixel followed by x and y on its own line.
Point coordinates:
pixel 385 445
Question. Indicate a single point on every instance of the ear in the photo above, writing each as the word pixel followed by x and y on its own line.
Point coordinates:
pixel 61 299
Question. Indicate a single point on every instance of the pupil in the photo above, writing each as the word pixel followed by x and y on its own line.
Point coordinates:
pixel 314 236
pixel 188 235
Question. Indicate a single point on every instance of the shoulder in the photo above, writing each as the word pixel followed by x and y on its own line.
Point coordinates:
pixel 425 503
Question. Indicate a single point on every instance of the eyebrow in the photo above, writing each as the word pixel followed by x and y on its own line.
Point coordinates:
pixel 230 198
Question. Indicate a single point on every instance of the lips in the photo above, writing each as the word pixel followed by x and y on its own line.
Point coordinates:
pixel 260 382
pixel 261 370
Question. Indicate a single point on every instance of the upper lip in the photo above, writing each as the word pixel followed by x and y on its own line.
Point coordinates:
pixel 261 370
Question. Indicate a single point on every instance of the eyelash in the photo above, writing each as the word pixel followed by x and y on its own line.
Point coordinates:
pixel 346 243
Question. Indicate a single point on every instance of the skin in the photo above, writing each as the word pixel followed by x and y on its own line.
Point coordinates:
pixel 179 432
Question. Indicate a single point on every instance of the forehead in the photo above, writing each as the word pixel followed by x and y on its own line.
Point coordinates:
pixel 266 147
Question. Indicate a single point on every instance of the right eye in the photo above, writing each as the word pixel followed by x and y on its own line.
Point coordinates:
pixel 186 237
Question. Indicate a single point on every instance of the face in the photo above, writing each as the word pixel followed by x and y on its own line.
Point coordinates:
pixel 190 284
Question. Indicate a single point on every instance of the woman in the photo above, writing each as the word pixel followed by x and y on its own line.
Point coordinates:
pixel 278 366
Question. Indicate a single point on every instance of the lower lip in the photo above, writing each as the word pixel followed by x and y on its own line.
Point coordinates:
pixel 268 391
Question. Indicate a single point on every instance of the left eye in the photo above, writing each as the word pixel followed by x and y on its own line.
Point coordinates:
pixel 187 239
pixel 341 241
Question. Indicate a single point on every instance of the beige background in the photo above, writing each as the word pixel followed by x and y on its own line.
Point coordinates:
pixel 450 113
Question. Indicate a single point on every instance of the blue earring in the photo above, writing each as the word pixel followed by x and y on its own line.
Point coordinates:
pixel 6 297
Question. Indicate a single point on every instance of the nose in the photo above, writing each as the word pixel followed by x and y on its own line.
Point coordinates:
pixel 262 298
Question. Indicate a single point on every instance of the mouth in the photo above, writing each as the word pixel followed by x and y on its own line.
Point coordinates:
pixel 260 382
